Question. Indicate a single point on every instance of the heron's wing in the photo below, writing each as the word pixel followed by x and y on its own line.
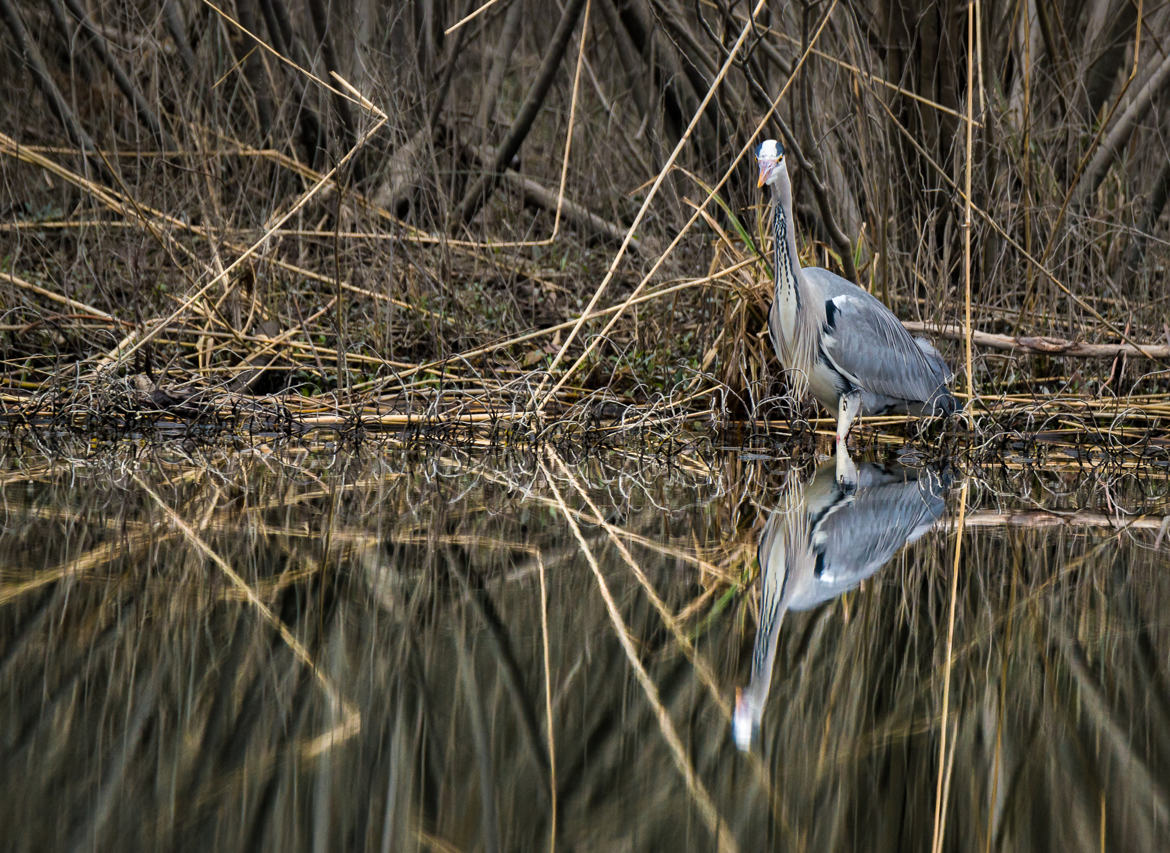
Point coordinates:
pixel 934 355
pixel 870 347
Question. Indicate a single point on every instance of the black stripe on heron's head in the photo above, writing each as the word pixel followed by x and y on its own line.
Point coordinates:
pixel 769 149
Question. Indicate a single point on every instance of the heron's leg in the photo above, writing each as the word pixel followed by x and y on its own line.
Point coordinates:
pixel 847 410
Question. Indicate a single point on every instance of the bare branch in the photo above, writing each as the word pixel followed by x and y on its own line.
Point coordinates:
pixel 1122 129
pixel 482 189
pixel 36 63
pixel 1040 344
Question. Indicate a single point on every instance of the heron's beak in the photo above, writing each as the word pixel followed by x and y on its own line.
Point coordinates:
pixel 743 727
pixel 767 167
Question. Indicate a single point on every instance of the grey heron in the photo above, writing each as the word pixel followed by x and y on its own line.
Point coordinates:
pixel 823 540
pixel 837 340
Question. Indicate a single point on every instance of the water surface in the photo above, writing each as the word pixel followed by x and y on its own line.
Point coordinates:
pixel 304 648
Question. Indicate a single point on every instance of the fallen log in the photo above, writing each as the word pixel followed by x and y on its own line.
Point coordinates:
pixel 1039 343
pixel 538 195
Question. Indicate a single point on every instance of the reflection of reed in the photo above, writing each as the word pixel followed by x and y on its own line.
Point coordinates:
pixel 151 702
pixel 351 719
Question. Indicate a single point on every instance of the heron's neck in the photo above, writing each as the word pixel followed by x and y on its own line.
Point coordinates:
pixel 764 652
pixel 796 316
pixel 784 257
pixel 785 566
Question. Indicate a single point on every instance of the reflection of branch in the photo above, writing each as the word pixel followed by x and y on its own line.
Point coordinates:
pixel 708 811
pixel 350 722
pixel 702 668
pixel 1049 518
pixel 510 671
pixel 1041 344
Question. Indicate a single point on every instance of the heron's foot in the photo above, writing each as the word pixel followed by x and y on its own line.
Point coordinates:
pixel 846 470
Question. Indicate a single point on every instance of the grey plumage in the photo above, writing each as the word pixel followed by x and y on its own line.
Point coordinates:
pixel 865 342
pixel 837 340
pixel 823 540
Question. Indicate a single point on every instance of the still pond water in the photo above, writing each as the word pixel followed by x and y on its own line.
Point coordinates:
pixel 437 650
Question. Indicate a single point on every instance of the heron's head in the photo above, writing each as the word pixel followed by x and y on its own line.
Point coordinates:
pixel 770 155
pixel 745 721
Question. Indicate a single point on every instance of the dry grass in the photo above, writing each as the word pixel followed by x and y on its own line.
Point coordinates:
pixel 248 224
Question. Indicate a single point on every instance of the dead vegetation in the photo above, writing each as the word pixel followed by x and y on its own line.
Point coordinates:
pixel 264 215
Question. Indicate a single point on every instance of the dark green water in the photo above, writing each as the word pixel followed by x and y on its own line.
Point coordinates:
pixel 310 650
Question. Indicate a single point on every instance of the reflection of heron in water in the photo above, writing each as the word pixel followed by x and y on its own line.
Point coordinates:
pixel 823 540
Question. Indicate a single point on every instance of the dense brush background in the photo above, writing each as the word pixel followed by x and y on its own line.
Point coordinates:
pixel 249 648
pixel 204 136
